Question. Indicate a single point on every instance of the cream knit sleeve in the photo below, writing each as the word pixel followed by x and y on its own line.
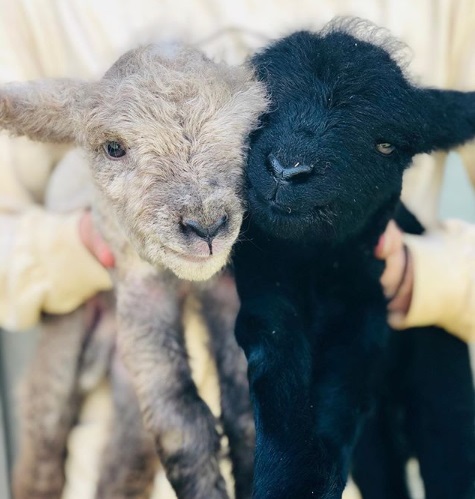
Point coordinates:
pixel 444 280
pixel 44 267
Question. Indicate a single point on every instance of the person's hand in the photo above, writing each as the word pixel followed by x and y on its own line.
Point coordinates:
pixel 93 241
pixel 398 277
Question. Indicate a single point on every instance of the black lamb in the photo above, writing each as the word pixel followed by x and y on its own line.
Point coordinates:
pixel 324 178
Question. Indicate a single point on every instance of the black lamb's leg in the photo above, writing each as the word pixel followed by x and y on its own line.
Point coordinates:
pixel 348 366
pixel 292 461
pixel 441 411
pixel 219 307
pixel 382 450
pixel 378 466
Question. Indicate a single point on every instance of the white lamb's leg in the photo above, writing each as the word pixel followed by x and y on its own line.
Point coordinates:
pixel 151 342
pixel 129 460
pixel 49 401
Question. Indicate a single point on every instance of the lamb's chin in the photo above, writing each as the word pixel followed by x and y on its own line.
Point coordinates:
pixel 304 228
pixel 192 269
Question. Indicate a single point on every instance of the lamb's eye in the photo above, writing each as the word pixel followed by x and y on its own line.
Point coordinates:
pixel 385 148
pixel 114 149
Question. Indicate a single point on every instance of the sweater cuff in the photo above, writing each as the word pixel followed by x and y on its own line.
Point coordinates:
pixel 441 290
pixel 75 274
pixel 50 270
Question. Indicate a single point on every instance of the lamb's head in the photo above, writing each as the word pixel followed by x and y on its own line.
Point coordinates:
pixel 166 132
pixel 344 122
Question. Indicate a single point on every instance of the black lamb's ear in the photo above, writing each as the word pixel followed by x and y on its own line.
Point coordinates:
pixel 446 119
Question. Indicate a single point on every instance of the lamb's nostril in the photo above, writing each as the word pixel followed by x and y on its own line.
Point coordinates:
pixel 195 227
pixel 290 172
pixel 205 232
pixel 218 225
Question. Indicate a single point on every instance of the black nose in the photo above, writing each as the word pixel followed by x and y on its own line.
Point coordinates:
pixel 289 173
pixel 205 232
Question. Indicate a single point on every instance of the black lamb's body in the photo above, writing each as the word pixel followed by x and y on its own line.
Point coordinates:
pixel 323 179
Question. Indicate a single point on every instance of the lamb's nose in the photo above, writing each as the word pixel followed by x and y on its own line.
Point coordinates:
pixel 290 172
pixel 205 232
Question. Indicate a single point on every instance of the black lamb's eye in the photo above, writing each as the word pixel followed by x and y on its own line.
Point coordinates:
pixel 114 149
pixel 385 148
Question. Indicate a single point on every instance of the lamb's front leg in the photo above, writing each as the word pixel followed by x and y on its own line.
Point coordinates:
pixel 129 460
pixel 309 399
pixel 151 342
pixel 220 305
pixel 288 456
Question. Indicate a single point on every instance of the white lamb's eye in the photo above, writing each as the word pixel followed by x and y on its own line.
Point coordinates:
pixel 114 149
pixel 385 148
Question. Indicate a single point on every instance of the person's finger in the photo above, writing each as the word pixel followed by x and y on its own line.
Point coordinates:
pixel 390 249
pixel 393 271
pixel 390 242
pixel 93 241
pixel 101 250
pixel 85 230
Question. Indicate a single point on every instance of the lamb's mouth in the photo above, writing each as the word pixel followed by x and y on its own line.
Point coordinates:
pixel 287 211
pixel 188 257
pixel 193 258
pixel 274 206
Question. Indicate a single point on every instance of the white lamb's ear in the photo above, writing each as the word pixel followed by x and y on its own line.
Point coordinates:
pixel 44 110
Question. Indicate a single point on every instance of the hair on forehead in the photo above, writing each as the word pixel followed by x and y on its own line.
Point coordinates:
pixel 173 63
pixel 368 32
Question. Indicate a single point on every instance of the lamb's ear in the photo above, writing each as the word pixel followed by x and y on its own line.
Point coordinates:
pixel 44 110
pixel 447 119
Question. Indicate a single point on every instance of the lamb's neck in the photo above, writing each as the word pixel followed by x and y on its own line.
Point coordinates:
pixel 107 222
pixel 360 245
pixel 354 249
pixel 349 269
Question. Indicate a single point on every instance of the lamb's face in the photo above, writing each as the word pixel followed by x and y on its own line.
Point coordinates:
pixel 166 137
pixel 333 148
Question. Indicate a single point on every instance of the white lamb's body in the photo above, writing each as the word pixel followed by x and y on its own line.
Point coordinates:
pixel 165 136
